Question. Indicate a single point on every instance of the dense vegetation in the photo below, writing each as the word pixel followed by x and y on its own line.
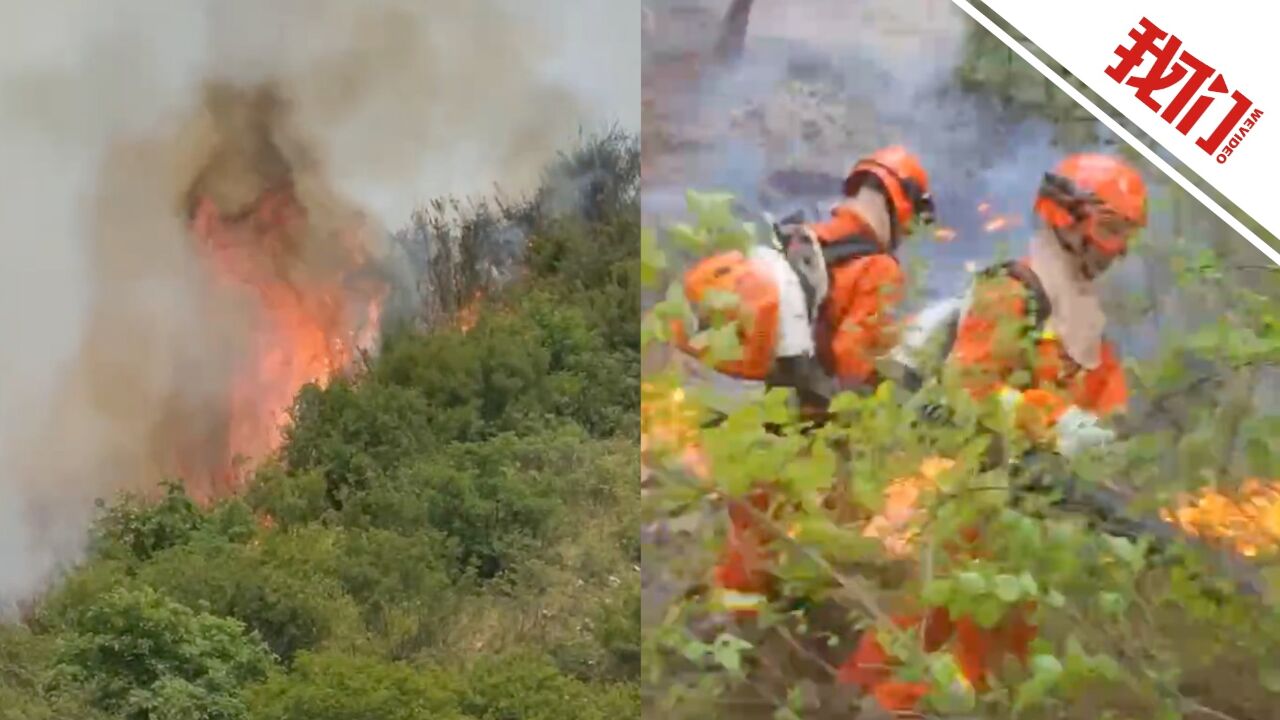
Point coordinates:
pixel 449 533
pixel 1122 633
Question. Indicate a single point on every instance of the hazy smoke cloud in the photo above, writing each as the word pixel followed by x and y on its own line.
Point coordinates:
pixel 115 118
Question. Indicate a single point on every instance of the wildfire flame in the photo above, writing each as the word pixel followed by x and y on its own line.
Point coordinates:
pixel 306 327
pixel 893 526
pixel 470 312
pixel 668 425
pixel 1249 523
pixel 666 419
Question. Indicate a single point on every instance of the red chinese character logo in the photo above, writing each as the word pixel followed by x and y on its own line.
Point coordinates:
pixel 1165 73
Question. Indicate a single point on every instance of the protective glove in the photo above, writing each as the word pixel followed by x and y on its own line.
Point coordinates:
pixel 1077 430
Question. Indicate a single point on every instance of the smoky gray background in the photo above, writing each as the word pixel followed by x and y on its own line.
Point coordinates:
pixel 105 122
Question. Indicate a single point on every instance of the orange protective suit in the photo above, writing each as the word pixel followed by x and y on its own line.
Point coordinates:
pixel 856 325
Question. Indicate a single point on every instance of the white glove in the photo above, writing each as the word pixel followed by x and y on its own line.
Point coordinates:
pixel 1079 430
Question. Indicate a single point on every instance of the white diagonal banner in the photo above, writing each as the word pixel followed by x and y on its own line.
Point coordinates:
pixel 1202 89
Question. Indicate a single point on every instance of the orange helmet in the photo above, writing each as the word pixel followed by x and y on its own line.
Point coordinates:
pixel 756 310
pixel 1102 192
pixel 904 180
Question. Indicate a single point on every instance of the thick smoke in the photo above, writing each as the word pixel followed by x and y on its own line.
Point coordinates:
pixel 122 123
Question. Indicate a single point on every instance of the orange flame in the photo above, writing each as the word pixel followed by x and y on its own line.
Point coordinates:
pixel 666 419
pixel 304 329
pixel 470 312
pixel 999 222
pixel 894 526
pixel 1248 523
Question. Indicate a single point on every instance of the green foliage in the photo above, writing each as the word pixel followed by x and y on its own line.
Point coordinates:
pixel 141 656
pixel 285 587
pixel 141 529
pixel 341 687
pixel 28 684
pixel 1120 629
pixel 523 687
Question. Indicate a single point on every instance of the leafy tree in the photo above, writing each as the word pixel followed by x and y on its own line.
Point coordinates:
pixel 331 686
pixel 285 588
pixel 142 656
pixel 28 687
pixel 523 687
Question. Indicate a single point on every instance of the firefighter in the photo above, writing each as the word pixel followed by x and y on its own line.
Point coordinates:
pixel 814 312
pixel 1090 208
pixel 828 289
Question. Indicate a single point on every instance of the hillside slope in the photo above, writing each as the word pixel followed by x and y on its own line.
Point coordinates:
pixel 448 533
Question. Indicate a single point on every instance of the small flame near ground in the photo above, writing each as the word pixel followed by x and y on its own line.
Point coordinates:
pixel 1247 521
pixel 470 313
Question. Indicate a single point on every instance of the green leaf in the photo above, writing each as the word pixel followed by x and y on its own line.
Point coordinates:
pixel 844 402
pixel 1031 692
pixel 814 471
pixel 722 344
pixel 1105 666
pixel 950 692
pixel 989 612
pixel 695 651
pixel 937 592
pixel 971 583
pixel 1046 665
pixel 1045 672
pixel 1055 599
pixel 716 301
pixel 728 650
pixel 1029 586
pixel 713 211
pixel 840 544
pixel 687 238
pixel 1112 603
pixel 652 259
pixel 1008 588
pixel 1126 550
